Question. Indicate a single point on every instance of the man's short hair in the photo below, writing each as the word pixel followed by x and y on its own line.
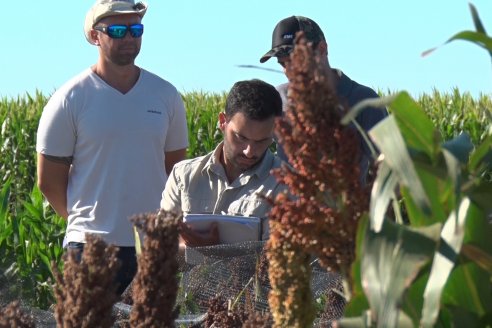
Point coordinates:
pixel 256 99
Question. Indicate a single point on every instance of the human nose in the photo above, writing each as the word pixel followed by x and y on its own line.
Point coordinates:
pixel 248 151
pixel 128 34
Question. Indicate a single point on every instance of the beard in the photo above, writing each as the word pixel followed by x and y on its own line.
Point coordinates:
pixel 238 161
pixel 124 55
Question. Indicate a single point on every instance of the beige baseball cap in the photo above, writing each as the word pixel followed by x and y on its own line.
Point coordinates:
pixel 106 8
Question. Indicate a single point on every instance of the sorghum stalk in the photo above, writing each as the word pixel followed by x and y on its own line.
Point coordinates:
pixel 86 292
pixel 320 215
pixel 155 287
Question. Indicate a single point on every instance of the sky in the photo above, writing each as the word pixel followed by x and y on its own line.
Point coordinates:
pixel 200 45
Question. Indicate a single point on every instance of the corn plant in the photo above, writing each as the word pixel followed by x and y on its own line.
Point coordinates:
pixel 456 113
pixel 30 232
pixel 19 119
pixel 202 114
pixel 29 241
pixel 437 270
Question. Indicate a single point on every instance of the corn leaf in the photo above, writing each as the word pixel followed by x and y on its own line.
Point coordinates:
pixel 444 261
pixel 479 256
pixel 381 102
pixel 481 195
pixel 476 19
pixel 478 38
pixel 357 300
pixel 481 158
pixel 383 191
pixel 398 159
pixel 416 128
pixel 391 260
pixel 364 321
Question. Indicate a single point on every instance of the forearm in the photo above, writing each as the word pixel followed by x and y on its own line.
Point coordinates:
pixel 53 182
pixel 57 200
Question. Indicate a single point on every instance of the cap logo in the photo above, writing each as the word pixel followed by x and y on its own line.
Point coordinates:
pixel 288 36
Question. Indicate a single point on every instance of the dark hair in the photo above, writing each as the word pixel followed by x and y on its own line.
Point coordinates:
pixel 256 99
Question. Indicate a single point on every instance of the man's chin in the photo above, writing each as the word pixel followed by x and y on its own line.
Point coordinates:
pixel 245 165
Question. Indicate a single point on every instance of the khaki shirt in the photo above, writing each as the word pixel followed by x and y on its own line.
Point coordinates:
pixel 200 186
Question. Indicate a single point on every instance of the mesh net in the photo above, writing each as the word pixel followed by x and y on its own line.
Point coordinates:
pixel 237 273
pixel 234 271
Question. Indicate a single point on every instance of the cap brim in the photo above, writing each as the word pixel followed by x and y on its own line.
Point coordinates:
pixel 283 50
pixel 267 56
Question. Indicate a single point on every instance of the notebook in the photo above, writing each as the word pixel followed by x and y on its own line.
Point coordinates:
pixel 232 228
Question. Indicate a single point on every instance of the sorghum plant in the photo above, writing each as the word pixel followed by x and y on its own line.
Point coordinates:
pixel 320 214
pixel 86 292
pixel 12 317
pixel 155 286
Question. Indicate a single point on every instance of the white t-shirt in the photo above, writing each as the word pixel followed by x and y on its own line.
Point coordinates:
pixel 117 142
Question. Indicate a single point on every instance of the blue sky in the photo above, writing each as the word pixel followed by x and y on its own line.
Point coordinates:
pixel 198 45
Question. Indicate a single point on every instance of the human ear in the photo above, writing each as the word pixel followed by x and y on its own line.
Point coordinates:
pixel 222 121
pixel 95 37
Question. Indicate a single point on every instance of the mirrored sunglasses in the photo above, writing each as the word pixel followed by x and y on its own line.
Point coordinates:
pixel 118 31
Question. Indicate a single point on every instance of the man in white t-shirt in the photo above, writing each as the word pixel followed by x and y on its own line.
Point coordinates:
pixel 109 137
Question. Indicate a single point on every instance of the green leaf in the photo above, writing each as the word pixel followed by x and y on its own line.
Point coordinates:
pixel 476 19
pixel 478 231
pixel 4 201
pixel 381 102
pixel 456 316
pixel 383 191
pixel 481 195
pixel 363 321
pixel 415 127
pixel 392 259
pixel 478 38
pixel 45 260
pixel 444 260
pixel 357 301
pixel 438 187
pixel 414 296
pixel 398 159
pixel 481 158
pixel 32 209
pixel 478 23
pixel 454 172
pixel 469 288
pixel 477 255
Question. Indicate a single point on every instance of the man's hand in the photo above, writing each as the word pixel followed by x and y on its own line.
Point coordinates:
pixel 195 238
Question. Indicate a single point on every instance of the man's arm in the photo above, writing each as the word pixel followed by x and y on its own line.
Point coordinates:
pixel 53 182
pixel 171 201
pixel 173 157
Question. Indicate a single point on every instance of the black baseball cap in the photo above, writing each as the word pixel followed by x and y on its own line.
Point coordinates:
pixel 285 32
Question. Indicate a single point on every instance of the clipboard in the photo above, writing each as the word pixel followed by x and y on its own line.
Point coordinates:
pixel 232 228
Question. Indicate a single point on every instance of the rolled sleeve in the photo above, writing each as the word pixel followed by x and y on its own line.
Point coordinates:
pixel 171 196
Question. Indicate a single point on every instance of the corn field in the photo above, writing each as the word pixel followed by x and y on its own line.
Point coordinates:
pixel 31 234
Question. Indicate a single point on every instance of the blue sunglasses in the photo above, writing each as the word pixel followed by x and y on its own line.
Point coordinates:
pixel 118 31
